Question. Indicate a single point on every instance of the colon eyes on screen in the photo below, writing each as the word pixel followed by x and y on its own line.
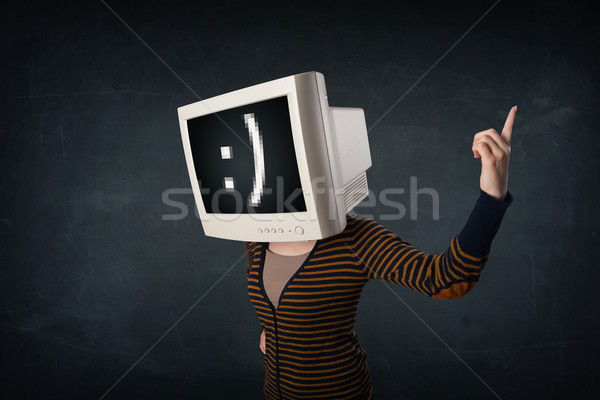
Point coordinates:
pixel 256 141
pixel 245 161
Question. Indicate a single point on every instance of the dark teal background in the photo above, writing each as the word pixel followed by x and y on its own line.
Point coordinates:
pixel 96 266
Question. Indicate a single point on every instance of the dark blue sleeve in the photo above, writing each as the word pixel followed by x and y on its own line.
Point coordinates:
pixel 478 233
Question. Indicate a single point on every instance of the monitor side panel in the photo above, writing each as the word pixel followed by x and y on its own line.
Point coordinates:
pixel 321 152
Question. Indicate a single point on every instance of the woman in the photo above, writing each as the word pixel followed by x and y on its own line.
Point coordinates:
pixel 306 294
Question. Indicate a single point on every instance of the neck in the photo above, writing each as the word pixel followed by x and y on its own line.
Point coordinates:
pixel 291 248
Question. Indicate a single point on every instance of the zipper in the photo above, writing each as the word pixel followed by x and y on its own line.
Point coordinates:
pixel 276 350
pixel 261 284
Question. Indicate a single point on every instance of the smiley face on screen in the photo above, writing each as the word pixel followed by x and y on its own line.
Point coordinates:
pixel 245 161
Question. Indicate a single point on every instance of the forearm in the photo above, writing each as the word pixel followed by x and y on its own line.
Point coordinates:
pixel 477 235
pixel 463 261
pixel 448 275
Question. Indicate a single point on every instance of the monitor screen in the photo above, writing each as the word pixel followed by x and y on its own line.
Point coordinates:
pixel 245 161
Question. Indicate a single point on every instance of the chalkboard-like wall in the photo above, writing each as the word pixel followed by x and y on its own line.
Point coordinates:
pixel 109 287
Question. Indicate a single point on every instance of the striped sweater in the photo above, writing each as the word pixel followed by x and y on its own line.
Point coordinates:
pixel 312 350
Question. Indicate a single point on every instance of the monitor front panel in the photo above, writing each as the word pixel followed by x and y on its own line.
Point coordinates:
pixel 283 190
pixel 245 161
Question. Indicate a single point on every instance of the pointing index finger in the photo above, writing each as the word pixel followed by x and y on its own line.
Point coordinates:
pixel 508 125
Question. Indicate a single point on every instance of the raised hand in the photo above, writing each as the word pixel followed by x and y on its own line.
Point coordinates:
pixel 494 151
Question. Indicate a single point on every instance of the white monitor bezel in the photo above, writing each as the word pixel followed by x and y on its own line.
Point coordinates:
pixel 293 226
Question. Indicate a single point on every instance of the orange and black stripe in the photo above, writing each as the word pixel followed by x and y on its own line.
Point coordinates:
pixel 312 350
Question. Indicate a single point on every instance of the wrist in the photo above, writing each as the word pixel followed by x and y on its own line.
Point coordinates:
pixel 495 194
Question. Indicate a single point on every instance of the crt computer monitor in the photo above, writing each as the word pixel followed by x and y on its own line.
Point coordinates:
pixel 274 162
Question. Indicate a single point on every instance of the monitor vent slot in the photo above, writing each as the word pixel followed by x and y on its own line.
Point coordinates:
pixel 355 190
